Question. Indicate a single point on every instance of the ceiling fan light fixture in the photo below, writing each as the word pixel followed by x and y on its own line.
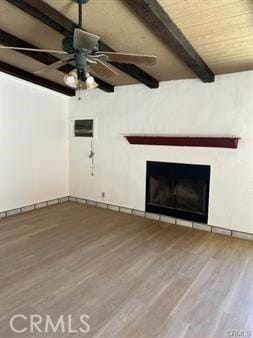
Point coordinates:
pixel 90 82
pixel 71 79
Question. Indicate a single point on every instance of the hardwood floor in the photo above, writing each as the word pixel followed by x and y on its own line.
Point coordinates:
pixel 134 277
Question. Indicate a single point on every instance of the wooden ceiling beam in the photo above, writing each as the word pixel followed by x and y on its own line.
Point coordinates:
pixel 159 22
pixel 54 19
pixel 24 75
pixel 8 39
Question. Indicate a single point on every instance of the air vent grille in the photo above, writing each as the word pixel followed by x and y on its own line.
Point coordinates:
pixel 83 128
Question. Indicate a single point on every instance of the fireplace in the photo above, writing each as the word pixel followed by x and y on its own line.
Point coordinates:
pixel 178 190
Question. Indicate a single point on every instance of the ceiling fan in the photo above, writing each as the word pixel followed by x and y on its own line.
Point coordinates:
pixel 82 51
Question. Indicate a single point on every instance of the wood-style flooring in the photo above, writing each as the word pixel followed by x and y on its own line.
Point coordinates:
pixel 134 277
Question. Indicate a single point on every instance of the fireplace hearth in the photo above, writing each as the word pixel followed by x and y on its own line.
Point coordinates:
pixel 178 190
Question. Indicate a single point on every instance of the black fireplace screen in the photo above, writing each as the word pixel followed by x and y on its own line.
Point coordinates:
pixel 179 190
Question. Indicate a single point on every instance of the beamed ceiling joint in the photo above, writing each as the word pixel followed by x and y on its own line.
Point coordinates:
pixel 159 22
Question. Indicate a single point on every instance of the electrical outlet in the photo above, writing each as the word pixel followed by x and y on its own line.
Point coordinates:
pixel 103 194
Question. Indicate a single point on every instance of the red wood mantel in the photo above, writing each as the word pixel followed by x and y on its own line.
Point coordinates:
pixel 185 141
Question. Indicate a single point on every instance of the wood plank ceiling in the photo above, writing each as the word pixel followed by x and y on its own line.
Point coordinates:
pixel 221 31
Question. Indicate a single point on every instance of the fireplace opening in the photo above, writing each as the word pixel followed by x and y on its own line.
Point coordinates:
pixel 178 190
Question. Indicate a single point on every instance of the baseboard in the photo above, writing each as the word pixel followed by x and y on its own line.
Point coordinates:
pixel 167 219
pixel 140 213
pixel 39 205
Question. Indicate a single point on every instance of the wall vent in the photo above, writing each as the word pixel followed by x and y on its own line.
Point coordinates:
pixel 84 128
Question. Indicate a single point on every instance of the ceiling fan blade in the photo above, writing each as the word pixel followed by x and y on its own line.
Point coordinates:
pixel 56 64
pixel 84 40
pixel 35 50
pixel 101 68
pixel 137 59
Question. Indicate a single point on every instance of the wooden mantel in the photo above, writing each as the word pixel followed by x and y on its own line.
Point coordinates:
pixel 184 141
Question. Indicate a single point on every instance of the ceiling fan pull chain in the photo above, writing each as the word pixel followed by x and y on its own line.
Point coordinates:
pixel 79 90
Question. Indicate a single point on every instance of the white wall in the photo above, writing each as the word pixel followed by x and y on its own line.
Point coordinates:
pixel 33 143
pixel 187 107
